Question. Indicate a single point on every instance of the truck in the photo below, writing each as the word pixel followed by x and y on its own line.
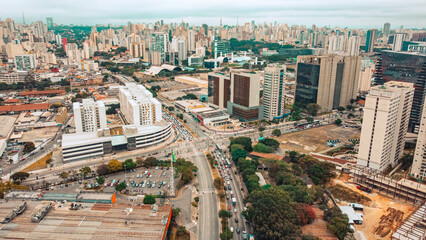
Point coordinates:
pixel 251 237
pixel 364 188
pixel 234 201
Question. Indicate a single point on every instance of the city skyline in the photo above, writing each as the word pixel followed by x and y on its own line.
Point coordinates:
pixel 360 14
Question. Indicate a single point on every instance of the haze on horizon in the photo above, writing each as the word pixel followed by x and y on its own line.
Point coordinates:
pixel 342 13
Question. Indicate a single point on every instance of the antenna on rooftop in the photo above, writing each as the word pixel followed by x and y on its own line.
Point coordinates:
pixel 23 17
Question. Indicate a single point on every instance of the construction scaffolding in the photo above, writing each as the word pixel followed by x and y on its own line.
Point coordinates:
pixel 414 227
pixel 406 190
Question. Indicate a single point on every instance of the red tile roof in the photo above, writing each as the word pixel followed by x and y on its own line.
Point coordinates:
pixel 331 159
pixel 12 100
pixel 24 107
pixel 45 92
pixel 267 155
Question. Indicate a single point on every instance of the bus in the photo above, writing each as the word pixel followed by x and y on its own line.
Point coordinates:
pixel 217 146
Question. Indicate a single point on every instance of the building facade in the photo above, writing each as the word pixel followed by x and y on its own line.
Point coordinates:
pixel 138 105
pixel 407 67
pixel 384 127
pixel 369 41
pixel 89 116
pixel 25 62
pixel 219 89
pixel 245 96
pixel 418 169
pixel 274 92
pixel 329 81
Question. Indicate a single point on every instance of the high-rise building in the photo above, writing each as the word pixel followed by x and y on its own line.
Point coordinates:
pixel 25 62
pixel 386 29
pixel 138 105
pixel 330 81
pixel 245 94
pixel 49 23
pixel 159 42
pixel 407 67
pixel 384 127
pixel 369 42
pixel 274 92
pixel 182 53
pixel 191 40
pixel 418 169
pixel 206 29
pixel 219 89
pixel 353 46
pixel 398 39
pixel 365 79
pixel 136 49
pixel 89 116
pixel 64 44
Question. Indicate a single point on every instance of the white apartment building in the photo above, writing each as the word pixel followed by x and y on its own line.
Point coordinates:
pixel 418 169
pixel 25 62
pixel 353 46
pixel 138 105
pixel 274 92
pixel 385 122
pixel 365 79
pixel 398 39
pixel 89 116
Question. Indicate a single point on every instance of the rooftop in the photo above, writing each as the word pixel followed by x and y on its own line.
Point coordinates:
pixel 213 114
pixel 91 221
pixel 24 107
pixel 45 92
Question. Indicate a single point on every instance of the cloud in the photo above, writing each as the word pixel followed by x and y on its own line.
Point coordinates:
pixel 359 13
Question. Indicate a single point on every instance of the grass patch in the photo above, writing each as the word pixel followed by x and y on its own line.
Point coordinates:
pixel 346 194
pixel 40 164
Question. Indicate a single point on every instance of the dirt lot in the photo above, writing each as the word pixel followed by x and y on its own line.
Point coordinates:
pixel 375 210
pixel 315 139
pixel 318 227
pixel 42 133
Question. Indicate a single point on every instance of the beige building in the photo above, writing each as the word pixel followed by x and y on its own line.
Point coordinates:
pixel 274 92
pixel 365 79
pixel 385 122
pixel 330 81
pixel 418 169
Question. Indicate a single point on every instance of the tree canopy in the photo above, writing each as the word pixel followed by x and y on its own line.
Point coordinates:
pixel 149 199
pixel 114 166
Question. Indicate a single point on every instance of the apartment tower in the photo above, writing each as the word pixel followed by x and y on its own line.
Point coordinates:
pixel 385 122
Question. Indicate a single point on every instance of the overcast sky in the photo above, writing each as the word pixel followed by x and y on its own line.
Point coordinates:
pixel 343 13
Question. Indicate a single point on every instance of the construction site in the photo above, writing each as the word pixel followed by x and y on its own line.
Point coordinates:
pixel 67 220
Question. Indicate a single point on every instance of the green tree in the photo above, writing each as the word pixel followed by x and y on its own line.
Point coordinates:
pixel 338 122
pixel 261 128
pixel 218 183
pixel 270 142
pixel 171 108
pixel 19 176
pixel 64 175
pixel 276 132
pixel 181 230
pixel 245 141
pixel 262 148
pixel 84 171
pixel 234 147
pixel 175 212
pixel 226 234
pixel 293 156
pixel 224 214
pixel 238 153
pixel 121 186
pixel 114 166
pixel 273 214
pixel 149 162
pixel 28 147
pixel 102 169
pixel 340 109
pixel 149 199
pixel 310 119
pixel 129 164
pixel 100 180
pixel 313 109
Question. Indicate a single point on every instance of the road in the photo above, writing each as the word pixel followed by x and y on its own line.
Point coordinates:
pixel 208 224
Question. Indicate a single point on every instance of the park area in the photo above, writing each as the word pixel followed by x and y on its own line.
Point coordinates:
pixel 315 139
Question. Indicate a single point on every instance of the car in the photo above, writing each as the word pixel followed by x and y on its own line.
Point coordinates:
pixel 235 210
pixel 236 220
pixel 229 207
pixel 227 197
pixel 164 173
pixel 232 229
pixel 237 230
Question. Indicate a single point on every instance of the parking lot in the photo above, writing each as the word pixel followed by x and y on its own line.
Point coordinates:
pixel 154 181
